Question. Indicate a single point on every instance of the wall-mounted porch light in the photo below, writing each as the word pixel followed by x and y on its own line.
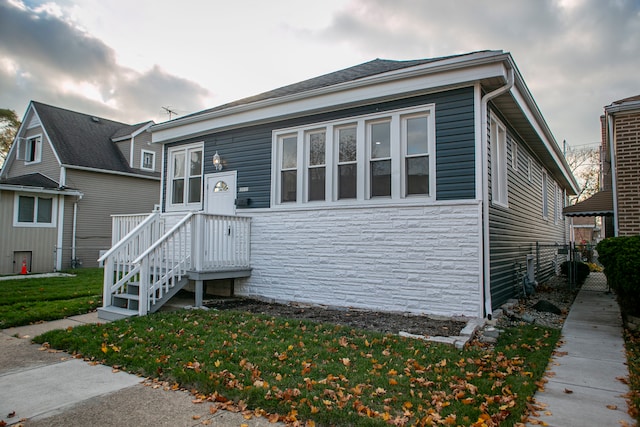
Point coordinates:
pixel 217 161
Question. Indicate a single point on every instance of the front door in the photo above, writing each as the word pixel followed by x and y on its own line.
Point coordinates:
pixel 221 193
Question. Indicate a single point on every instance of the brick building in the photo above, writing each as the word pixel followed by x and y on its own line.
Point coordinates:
pixel 621 147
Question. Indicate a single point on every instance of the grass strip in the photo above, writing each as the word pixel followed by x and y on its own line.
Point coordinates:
pixel 331 375
pixel 33 299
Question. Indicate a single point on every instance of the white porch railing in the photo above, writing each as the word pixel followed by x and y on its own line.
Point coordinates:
pixel 156 261
pixel 121 225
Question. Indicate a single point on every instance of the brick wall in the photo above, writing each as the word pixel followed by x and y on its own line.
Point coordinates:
pixel 417 259
pixel 627 137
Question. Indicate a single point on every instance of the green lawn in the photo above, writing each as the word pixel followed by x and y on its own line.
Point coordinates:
pixel 29 300
pixel 322 373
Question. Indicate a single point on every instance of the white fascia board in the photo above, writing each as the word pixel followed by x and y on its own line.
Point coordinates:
pixel 544 133
pixel 40 190
pixel 390 85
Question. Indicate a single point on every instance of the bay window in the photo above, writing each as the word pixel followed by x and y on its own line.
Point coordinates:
pixel 376 157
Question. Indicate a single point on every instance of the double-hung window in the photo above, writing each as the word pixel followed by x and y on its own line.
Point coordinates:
pixel 185 183
pixel 317 167
pixel 34 211
pixel 347 162
pixel 288 148
pixel 384 157
pixel 499 190
pixel 416 145
pixel 148 160
pixel 379 142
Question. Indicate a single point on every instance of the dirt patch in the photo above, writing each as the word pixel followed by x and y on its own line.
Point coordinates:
pixel 391 323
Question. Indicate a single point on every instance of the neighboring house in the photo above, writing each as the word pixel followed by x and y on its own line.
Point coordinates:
pixel 65 175
pixel 409 186
pixel 618 201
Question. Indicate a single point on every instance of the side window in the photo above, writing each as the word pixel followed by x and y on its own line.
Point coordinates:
pixel 31 150
pixel 499 189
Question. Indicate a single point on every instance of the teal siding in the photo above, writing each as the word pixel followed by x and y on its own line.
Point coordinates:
pixel 248 150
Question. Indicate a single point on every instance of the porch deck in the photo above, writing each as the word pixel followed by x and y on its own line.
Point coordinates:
pixel 157 255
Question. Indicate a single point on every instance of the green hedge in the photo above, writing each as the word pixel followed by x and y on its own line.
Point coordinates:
pixel 620 257
pixel 582 270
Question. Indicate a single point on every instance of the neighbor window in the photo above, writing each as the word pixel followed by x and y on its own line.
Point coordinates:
pixel 35 211
pixel 499 190
pixel 148 160
pixel 185 177
pixel 32 149
pixel 379 156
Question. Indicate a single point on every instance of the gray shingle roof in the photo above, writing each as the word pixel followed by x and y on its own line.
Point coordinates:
pixel 367 69
pixel 31 180
pixel 84 140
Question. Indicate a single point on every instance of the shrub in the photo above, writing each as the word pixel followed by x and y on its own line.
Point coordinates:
pixel 582 270
pixel 620 257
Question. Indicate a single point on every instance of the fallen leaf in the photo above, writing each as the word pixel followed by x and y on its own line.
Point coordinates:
pixel 11 414
pixel 612 407
pixel 568 391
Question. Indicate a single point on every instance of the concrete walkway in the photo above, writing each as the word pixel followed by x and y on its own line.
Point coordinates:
pixel 584 387
pixel 41 387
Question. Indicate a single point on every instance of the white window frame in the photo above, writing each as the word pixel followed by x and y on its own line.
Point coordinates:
pixel 153 160
pixel 429 153
pixel 37 150
pixel 338 163
pixel 185 205
pixel 361 123
pixel 499 173
pixel 545 194
pixel 35 223
pixel 309 166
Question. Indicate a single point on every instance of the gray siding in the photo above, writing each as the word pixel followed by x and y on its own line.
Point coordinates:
pixel 515 230
pixel 47 166
pixel 40 241
pixel 248 150
pixel 104 195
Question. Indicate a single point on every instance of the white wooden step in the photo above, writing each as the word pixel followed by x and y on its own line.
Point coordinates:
pixel 111 313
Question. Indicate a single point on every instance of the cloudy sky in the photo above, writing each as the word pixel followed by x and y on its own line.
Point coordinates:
pixel 125 60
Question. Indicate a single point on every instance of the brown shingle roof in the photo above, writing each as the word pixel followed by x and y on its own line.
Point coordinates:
pixel 600 204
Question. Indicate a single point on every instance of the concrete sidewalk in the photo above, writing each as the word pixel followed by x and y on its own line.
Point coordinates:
pixel 41 387
pixel 584 387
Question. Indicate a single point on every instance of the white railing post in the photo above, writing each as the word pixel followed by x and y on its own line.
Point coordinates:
pixel 143 295
pixel 197 242
pixel 108 281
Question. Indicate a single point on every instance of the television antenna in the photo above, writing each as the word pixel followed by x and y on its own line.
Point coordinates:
pixel 169 111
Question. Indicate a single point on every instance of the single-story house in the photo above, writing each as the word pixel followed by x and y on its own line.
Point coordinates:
pixel 417 186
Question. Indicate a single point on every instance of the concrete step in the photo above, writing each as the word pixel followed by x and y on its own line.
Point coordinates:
pixel 111 313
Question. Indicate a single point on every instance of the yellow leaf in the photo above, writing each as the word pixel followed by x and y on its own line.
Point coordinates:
pixel 104 348
pixel 392 381
pixel 612 407
pixel 346 361
pixel 217 363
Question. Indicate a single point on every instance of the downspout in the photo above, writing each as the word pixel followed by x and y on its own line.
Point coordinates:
pixel 486 273
pixel 73 235
pixel 614 187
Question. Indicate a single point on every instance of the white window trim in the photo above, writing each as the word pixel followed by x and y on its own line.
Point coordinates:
pixel 363 168
pixel 499 172
pixel 185 206
pixel 16 211
pixel 38 150
pixel 153 162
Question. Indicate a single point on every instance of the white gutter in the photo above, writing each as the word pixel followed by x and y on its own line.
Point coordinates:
pixel 60 237
pixel 107 171
pixel 42 190
pixel 73 230
pixel 614 186
pixel 486 273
